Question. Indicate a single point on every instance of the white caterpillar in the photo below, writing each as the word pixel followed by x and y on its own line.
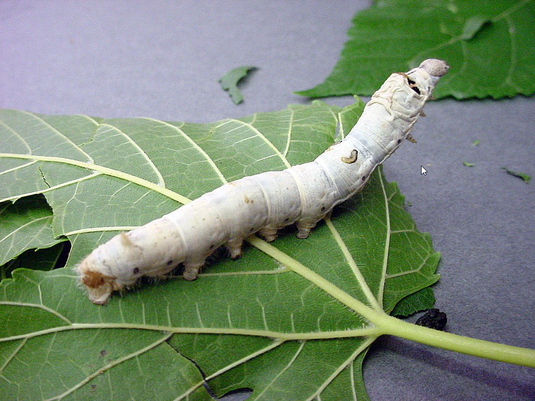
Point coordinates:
pixel 264 203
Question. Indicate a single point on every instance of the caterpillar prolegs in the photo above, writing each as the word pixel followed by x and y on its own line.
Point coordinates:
pixel 264 203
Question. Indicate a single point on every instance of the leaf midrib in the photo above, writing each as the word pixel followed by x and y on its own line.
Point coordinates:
pixel 102 170
pixel 283 336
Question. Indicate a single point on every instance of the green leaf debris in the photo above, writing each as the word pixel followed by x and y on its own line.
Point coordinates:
pixel 524 177
pixel 229 82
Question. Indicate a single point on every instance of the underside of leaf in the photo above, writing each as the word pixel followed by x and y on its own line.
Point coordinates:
pixel 288 321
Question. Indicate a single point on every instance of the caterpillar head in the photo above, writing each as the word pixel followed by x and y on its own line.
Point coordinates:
pixel 435 68
pixel 424 78
pixel 395 108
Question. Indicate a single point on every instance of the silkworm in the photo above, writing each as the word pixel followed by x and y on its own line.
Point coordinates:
pixel 264 203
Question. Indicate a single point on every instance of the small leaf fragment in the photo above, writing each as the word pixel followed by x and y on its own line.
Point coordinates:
pixel 229 82
pixel 476 142
pixel 469 164
pixel 522 176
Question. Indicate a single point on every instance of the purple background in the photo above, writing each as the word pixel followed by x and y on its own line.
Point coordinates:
pixel 163 59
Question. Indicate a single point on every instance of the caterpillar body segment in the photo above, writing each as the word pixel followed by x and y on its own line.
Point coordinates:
pixel 266 202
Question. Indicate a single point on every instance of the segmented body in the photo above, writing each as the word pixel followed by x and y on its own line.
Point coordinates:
pixel 264 203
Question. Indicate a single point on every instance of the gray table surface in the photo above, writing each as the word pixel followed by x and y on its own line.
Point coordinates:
pixel 163 59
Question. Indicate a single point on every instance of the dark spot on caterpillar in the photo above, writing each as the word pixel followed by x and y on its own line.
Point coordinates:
pixel 399 141
pixel 136 270
pixel 169 262
pixel 413 86
pixel 286 219
pixel 251 229
pixel 323 209
pixel 363 177
pixel 212 246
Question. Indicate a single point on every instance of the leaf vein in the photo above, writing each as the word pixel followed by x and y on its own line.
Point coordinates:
pixel 194 145
pixel 263 137
pixel 289 135
pixel 102 170
pixel 111 365
pixel 161 180
pixel 283 370
pixel 352 263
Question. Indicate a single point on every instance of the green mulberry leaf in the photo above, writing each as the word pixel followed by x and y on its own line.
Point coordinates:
pixel 290 320
pixel 488 45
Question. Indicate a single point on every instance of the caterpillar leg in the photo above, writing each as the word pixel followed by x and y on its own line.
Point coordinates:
pixel 269 233
pixel 234 248
pixel 191 271
pixel 303 229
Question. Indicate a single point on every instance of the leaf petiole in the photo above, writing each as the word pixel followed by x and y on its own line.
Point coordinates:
pixel 389 325
pixel 455 342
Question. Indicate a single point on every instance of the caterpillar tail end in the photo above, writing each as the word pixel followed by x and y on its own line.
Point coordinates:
pixel 99 286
